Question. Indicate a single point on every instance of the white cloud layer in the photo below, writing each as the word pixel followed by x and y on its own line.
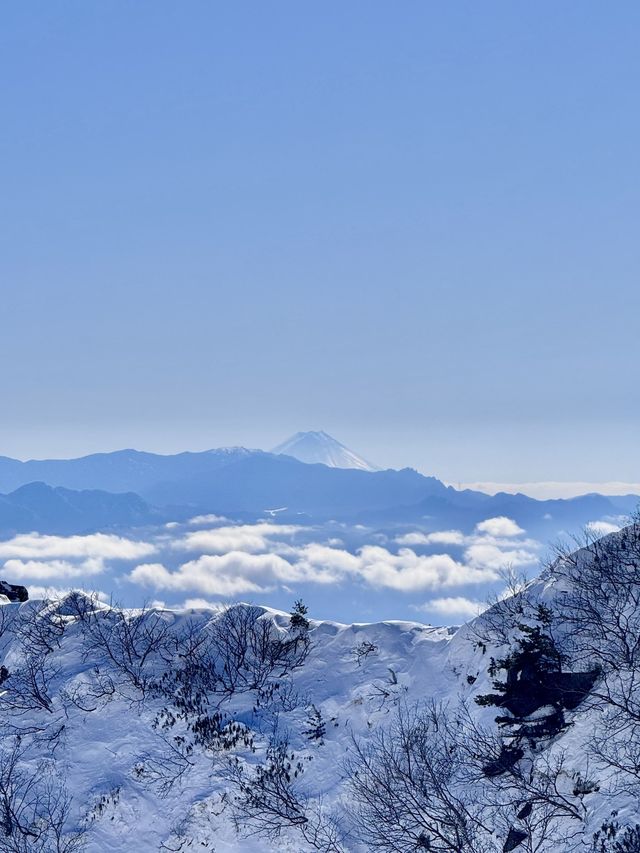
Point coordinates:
pixel 97 545
pixel 53 569
pixel 250 559
pixel 602 527
pixel 37 557
pixel 251 538
pixel 235 573
pixel 553 489
pixel 499 526
pixel 442 537
pixel 238 571
pixel 454 606
pixel 210 518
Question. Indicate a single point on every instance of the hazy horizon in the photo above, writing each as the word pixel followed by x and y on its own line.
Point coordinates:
pixel 415 230
pixel 540 489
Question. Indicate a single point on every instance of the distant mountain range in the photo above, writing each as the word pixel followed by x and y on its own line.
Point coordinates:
pixel 48 509
pixel 129 487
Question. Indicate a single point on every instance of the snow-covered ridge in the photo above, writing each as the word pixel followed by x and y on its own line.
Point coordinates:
pixel 247 729
pixel 114 747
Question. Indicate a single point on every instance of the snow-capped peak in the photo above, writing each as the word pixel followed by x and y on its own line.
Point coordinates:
pixel 319 446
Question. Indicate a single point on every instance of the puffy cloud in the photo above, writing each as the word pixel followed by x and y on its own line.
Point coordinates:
pixel 97 545
pixel 156 576
pixel 323 564
pixel 484 557
pixel 256 558
pixel 454 606
pixel 53 569
pixel 250 559
pixel 602 527
pixel 229 574
pixel 210 518
pixel 251 538
pixel 36 557
pixel 441 537
pixel 406 571
pixel 491 555
pixel 499 526
pixel 239 572
pixel 492 546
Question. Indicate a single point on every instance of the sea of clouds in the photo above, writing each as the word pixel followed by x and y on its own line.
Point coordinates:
pixel 345 572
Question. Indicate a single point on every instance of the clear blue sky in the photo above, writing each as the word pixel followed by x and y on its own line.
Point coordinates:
pixel 413 225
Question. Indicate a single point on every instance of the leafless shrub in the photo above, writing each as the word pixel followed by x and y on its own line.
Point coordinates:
pixel 250 651
pixel 406 785
pixel 34 807
pixel 134 644
pixel 269 799
pixel 505 611
pixel 613 838
pixel 239 651
pixel 388 691
pixel 525 791
pixel 423 784
pixel 165 767
pixel 363 650
pixel 28 685
pixel 598 606
pixel 35 631
pixel 9 615
pixel 39 628
pixel 599 596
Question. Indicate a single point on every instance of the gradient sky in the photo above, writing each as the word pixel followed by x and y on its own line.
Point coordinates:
pixel 412 225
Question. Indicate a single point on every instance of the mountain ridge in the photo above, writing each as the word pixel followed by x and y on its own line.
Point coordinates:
pixel 241 481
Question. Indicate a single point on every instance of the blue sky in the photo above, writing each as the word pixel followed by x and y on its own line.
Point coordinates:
pixel 413 225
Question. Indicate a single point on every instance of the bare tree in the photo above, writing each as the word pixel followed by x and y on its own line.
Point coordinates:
pixel 40 627
pixel 135 645
pixel 29 685
pixel 407 787
pixel 269 799
pixel 251 651
pixel 34 807
pixel 506 611
pixel 598 606
pixel 531 794
pixel 167 766
pixel 240 651
pixel 613 838
pixel 598 580
pixel 35 632
pixel 363 650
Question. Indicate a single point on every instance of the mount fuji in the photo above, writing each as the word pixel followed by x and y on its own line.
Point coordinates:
pixel 320 447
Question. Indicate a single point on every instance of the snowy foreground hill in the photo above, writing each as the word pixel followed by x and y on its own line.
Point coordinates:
pixel 249 730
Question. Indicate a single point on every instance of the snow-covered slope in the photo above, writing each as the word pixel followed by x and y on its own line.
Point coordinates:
pixel 319 447
pixel 134 784
pixel 247 730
